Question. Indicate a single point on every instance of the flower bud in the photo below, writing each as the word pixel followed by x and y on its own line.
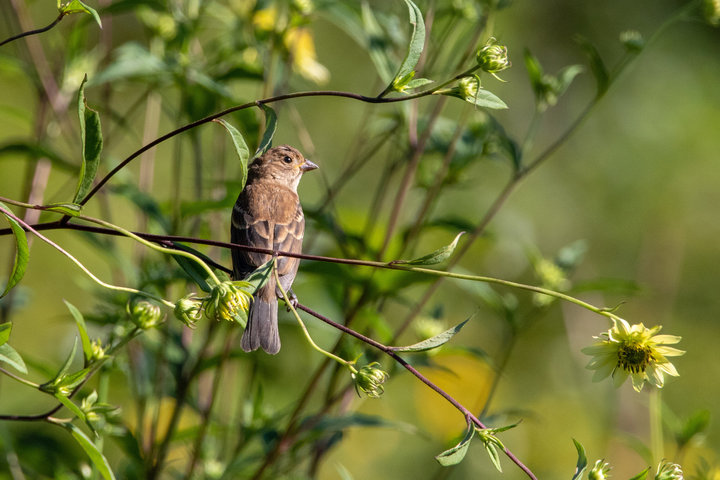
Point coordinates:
pixel 97 350
pixel 370 379
pixel 633 40
pixel 225 302
pixel 468 87
pixel 188 310
pixel 145 314
pixel 600 471
pixel 669 471
pixel 493 58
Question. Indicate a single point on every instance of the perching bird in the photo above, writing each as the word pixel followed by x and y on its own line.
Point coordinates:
pixel 267 214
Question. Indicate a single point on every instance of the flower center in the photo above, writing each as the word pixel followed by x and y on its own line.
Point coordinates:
pixel 633 357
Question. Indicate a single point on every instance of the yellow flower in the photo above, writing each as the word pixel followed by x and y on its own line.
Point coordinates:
pixel 300 44
pixel 633 351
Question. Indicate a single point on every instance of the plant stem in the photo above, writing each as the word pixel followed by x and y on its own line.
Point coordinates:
pixel 34 32
pixel 656 432
pixel 19 379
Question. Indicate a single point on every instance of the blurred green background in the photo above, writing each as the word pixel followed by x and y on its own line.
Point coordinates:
pixel 638 182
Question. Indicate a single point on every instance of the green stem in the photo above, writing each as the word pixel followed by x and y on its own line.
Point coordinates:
pixel 19 379
pixel 304 328
pixel 656 432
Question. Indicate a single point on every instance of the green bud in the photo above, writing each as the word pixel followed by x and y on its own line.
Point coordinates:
pixel 370 379
pixel 669 471
pixel 493 58
pixel 144 314
pixel 711 10
pixel 600 471
pixel 468 87
pixel 97 350
pixel 226 301
pixel 188 310
pixel 633 40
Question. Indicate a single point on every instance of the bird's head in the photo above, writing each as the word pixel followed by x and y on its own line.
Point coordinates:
pixel 283 164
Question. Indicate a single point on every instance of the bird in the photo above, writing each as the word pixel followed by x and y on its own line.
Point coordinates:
pixel 268 214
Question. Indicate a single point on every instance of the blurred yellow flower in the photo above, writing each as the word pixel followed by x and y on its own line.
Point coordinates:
pixel 633 351
pixel 300 44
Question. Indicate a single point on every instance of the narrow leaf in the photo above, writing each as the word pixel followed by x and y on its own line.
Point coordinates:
pixel 10 356
pixel 433 342
pixel 76 6
pixel 270 128
pixel 70 209
pixel 70 405
pixel 597 66
pixel 457 453
pixel 92 143
pixel 84 338
pixel 438 256
pixel 198 274
pixel 5 332
pixel 96 456
pixel 66 366
pixel 259 277
pixel 487 99
pixel 581 461
pixel 22 251
pixel 415 48
pixel 492 452
pixel 642 475
pixel 240 147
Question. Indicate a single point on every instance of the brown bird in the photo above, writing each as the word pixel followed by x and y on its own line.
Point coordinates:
pixel 267 214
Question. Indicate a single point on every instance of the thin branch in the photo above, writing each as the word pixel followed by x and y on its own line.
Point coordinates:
pixel 34 32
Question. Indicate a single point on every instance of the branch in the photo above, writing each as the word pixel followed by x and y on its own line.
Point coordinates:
pixel 34 32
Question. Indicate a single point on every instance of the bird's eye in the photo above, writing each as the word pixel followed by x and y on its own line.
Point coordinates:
pixel 287 159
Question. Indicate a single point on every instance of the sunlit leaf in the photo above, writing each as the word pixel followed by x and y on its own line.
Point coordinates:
pixel 5 329
pixel 456 454
pixel 438 256
pixel 581 461
pixel 415 48
pixel 80 322
pixel 260 276
pixel 10 356
pixel 22 252
pixel 433 342
pixel 92 143
pixel 70 405
pixel 642 475
pixel 270 128
pixel 70 209
pixel 76 6
pixel 241 149
pixel 96 456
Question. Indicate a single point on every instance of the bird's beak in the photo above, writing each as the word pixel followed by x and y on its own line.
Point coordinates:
pixel 308 165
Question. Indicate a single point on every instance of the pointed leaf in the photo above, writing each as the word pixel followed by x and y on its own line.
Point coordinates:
pixel 438 256
pixel 642 475
pixel 581 461
pixel 240 147
pixel 415 48
pixel 270 128
pixel 66 366
pixel 457 453
pixel 10 356
pixel 80 322
pixel 70 209
pixel 22 251
pixel 260 276
pixel 597 66
pixel 198 274
pixel 433 342
pixel 92 143
pixel 492 452
pixel 485 98
pixel 567 75
pixel 96 456
pixel 76 6
pixel 70 405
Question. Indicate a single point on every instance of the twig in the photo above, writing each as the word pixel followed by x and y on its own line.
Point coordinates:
pixel 34 32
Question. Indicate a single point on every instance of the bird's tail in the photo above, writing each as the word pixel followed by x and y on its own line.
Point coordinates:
pixel 262 327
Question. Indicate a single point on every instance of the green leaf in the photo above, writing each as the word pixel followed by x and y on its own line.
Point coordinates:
pixel 566 76
pixel 433 342
pixel 259 277
pixel 240 147
pixel 5 332
pixel 92 143
pixel 22 251
pixel 197 273
pixel 66 366
pixel 457 453
pixel 270 128
pixel 415 48
pixel 581 461
pixel 642 475
pixel 438 256
pixel 492 452
pixel 72 407
pixel 70 209
pixel 10 356
pixel 84 338
pixel 96 456
pixel 485 98
pixel 418 82
pixel 76 6
pixel 597 66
